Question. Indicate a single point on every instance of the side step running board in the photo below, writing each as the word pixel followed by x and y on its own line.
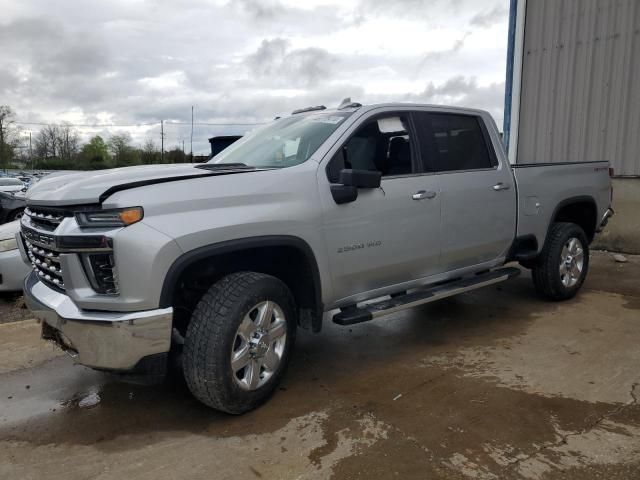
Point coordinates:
pixel 352 315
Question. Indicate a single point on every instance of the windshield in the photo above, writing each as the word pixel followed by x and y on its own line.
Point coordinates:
pixel 283 143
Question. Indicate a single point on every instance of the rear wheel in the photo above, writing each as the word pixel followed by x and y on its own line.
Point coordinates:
pixel 563 263
pixel 239 341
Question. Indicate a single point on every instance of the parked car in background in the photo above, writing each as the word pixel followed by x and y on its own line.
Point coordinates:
pixel 26 180
pixel 11 206
pixel 10 184
pixel 13 270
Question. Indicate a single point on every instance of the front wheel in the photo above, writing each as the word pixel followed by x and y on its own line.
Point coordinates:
pixel 563 263
pixel 239 341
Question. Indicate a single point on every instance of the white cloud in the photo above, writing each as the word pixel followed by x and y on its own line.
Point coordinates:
pixel 243 61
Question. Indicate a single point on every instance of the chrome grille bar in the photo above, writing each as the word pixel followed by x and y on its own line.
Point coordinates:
pixel 49 217
pixel 44 218
pixel 46 263
pixel 44 249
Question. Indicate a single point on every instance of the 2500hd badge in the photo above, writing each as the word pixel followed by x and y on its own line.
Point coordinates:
pixel 359 246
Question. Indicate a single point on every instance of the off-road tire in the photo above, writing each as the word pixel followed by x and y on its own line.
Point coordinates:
pixel 546 273
pixel 212 331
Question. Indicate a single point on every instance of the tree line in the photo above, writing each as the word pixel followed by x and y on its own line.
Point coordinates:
pixel 58 147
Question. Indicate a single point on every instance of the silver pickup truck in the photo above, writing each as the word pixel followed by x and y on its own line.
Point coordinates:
pixel 349 213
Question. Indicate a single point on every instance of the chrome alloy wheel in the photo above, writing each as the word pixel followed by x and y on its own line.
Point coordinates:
pixel 571 262
pixel 258 345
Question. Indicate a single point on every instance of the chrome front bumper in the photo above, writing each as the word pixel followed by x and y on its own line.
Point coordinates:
pixel 102 340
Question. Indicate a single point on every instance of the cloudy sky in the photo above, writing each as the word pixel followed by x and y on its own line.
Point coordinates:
pixel 122 62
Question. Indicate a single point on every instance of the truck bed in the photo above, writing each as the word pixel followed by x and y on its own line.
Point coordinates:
pixel 543 188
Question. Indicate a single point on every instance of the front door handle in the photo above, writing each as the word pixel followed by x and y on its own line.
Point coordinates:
pixel 501 186
pixel 422 194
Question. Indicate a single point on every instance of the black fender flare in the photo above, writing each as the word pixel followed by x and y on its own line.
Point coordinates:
pixel 189 258
pixel 569 201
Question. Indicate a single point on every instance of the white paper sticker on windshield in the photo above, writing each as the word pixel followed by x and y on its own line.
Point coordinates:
pixel 331 120
pixel 390 125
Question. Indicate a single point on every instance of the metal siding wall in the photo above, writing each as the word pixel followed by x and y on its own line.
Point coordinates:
pixel 580 97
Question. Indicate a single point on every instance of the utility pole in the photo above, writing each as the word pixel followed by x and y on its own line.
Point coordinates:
pixel 2 135
pixel 191 133
pixel 30 152
pixel 162 141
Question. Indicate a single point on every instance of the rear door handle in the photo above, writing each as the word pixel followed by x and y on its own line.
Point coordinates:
pixel 501 186
pixel 422 194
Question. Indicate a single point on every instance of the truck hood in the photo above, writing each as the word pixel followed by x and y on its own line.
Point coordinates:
pixel 93 187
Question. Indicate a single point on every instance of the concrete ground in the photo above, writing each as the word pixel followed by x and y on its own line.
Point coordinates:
pixel 492 384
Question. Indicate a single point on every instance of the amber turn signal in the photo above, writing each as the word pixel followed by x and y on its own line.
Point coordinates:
pixel 131 215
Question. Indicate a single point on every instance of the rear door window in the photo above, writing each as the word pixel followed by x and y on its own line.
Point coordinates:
pixel 454 142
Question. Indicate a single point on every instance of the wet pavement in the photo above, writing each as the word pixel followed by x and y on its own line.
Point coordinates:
pixel 492 384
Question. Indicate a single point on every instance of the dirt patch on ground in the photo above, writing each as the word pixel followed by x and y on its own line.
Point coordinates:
pixel 22 348
pixel 607 275
pixel 12 308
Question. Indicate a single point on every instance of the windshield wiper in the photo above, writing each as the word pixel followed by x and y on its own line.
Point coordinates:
pixel 225 166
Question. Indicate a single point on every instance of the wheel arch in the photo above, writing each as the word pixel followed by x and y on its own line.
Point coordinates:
pixel 13 212
pixel 581 210
pixel 283 256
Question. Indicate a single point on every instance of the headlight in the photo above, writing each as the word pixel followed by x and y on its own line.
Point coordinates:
pixel 120 217
pixel 8 244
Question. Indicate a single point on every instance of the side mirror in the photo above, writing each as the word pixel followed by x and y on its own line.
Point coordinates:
pixel 343 194
pixel 350 181
pixel 360 178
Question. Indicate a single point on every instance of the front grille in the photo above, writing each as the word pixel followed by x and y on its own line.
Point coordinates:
pixel 40 243
pixel 46 263
pixel 46 218
pixel 44 249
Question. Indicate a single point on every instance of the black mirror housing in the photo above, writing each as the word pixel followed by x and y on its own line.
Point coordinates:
pixel 344 194
pixel 360 178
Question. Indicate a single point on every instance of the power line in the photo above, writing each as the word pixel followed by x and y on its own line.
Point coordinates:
pixel 93 125
pixel 168 122
pixel 219 124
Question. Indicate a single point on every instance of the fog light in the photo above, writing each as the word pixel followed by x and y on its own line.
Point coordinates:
pixel 101 272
